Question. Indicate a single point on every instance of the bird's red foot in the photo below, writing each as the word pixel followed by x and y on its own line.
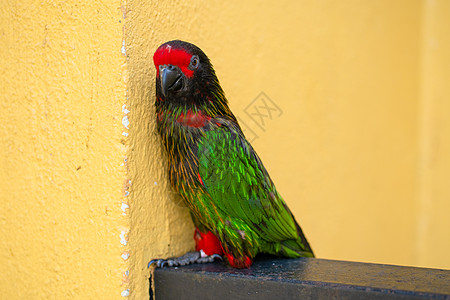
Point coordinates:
pixel 208 249
pixel 239 262
pixel 207 243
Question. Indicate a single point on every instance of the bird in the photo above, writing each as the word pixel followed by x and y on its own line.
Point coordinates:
pixel 234 204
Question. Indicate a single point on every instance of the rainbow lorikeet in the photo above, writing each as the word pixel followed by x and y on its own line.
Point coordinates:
pixel 234 204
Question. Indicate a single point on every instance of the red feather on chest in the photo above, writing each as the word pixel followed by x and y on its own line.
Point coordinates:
pixel 191 119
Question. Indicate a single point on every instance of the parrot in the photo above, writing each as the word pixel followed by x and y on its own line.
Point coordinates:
pixel 235 207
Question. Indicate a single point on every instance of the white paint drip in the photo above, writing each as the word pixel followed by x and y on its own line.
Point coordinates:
pixel 123 239
pixel 124 52
pixel 156 183
pixel 125 122
pixel 124 206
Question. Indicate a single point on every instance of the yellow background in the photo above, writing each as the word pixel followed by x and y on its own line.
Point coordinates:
pixel 361 151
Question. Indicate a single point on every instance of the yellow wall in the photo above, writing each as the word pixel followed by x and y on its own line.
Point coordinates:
pixel 360 150
pixel 62 182
pixel 432 243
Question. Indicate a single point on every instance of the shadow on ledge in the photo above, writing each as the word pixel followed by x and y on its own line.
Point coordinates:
pixel 303 278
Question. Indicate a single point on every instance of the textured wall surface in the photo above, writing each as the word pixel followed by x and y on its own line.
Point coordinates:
pixel 433 224
pixel 62 182
pixel 354 134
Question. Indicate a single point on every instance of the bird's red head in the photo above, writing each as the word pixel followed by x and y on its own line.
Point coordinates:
pixel 168 55
pixel 186 80
pixel 180 68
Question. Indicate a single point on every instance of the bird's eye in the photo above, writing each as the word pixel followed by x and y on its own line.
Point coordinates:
pixel 194 62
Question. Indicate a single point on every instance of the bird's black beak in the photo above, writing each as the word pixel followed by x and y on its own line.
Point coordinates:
pixel 171 78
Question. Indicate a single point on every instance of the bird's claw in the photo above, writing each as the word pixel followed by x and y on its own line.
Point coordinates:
pixel 208 259
pixel 155 261
pixel 188 258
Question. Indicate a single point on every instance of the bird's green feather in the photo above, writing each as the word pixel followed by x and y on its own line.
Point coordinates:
pixel 239 186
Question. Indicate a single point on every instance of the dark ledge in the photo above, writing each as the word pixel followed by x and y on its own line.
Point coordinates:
pixel 303 278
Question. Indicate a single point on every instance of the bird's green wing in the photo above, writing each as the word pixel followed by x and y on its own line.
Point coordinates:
pixel 240 186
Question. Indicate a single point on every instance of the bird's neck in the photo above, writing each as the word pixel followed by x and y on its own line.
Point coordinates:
pixel 180 131
pixel 180 128
pixel 189 118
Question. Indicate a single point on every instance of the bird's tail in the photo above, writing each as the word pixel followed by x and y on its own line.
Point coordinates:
pixel 298 247
pixel 293 247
